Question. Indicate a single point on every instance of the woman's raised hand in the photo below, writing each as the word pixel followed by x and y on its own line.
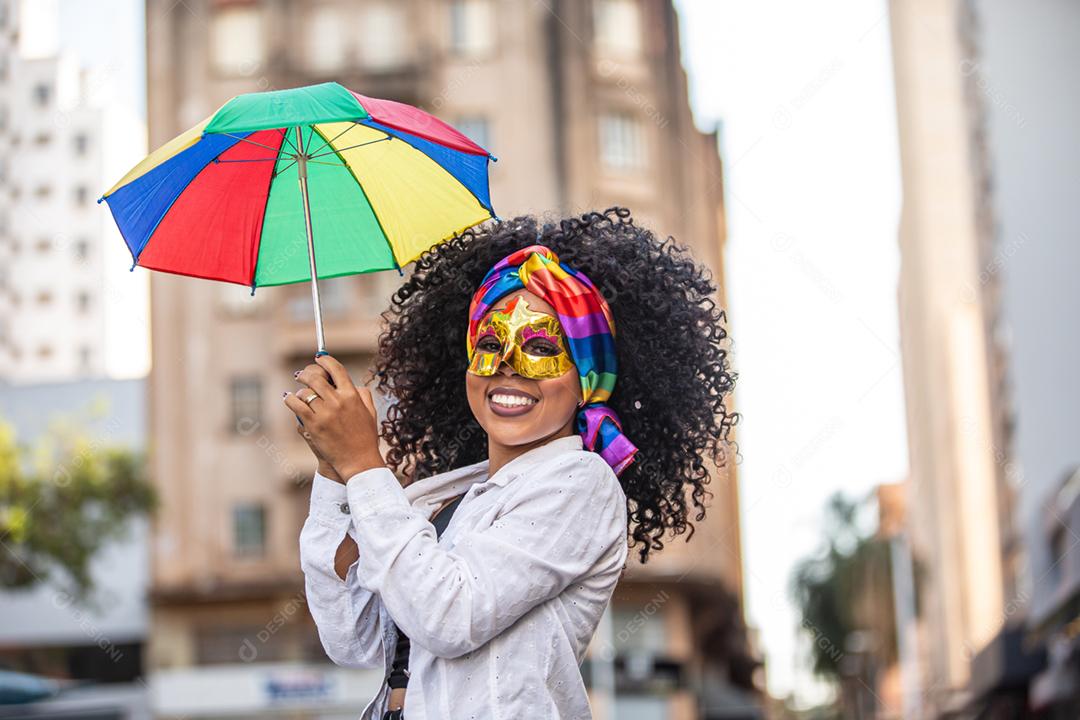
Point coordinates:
pixel 340 422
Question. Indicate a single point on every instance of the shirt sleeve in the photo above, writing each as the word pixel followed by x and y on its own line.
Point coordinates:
pixel 565 520
pixel 345 613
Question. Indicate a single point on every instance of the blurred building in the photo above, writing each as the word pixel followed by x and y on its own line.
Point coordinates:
pixel 988 148
pixel 58 142
pixel 97 645
pixel 586 105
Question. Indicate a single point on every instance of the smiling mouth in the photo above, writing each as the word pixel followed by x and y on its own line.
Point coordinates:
pixel 509 401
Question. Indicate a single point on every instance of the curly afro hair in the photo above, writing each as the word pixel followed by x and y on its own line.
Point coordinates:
pixel 673 381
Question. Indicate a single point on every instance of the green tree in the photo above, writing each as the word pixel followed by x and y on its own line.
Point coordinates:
pixel 62 499
pixel 845 591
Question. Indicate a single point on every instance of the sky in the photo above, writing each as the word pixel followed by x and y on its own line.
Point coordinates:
pixel 804 92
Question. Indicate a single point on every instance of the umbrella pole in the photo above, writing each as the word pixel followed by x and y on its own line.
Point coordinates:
pixel 301 167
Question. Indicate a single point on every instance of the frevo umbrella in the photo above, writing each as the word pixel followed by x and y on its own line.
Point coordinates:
pixel 300 184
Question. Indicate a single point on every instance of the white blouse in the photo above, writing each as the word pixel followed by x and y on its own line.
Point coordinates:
pixel 501 609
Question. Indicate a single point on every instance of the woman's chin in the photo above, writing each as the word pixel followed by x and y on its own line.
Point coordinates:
pixel 513 432
pixel 503 432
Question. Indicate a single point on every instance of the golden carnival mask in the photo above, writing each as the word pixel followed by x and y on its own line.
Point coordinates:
pixel 531 342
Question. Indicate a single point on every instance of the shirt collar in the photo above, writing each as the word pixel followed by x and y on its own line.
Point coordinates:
pixel 456 481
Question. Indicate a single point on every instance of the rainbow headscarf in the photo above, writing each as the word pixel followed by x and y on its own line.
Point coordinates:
pixel 590 332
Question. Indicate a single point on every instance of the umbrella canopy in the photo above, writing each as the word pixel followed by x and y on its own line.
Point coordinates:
pixel 290 185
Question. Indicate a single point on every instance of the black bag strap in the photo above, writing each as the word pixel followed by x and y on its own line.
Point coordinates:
pixel 399 672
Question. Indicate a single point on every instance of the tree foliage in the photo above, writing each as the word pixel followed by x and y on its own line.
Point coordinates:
pixel 62 499
pixel 845 589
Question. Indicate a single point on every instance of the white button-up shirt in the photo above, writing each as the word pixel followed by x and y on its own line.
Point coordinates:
pixel 501 609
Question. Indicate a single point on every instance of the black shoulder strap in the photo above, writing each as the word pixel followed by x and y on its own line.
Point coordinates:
pixel 442 518
pixel 399 674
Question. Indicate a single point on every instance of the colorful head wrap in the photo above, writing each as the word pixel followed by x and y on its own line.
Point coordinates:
pixel 590 332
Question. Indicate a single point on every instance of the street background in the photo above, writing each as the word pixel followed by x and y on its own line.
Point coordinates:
pixel 885 191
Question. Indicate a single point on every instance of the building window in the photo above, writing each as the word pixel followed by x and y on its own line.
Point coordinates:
pixel 42 93
pixel 1059 547
pixel 81 141
pixel 44 297
pixel 249 529
pixel 45 351
pixel 333 299
pixel 622 142
pixel 220 645
pixel 650 634
pixel 82 195
pixel 325 39
pixel 81 250
pixel 246 400
pixel 472 26
pixel 237 39
pixel 82 301
pixel 85 355
pixel 475 128
pixel 618 26
pixel 43 192
pixel 383 36
pixel 43 246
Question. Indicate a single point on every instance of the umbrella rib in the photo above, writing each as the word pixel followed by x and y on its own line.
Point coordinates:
pixel 237 137
pixel 285 137
pixel 273 159
pixel 285 168
pixel 369 142
pixel 327 142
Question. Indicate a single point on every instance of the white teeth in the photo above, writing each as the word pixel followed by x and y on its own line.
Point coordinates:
pixel 511 400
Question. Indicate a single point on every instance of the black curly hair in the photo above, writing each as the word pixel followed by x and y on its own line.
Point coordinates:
pixel 674 376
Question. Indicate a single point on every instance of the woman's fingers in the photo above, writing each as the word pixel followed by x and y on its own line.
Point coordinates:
pixel 338 374
pixel 298 406
pixel 317 379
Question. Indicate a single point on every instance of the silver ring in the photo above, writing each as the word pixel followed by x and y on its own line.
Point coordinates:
pixel 310 398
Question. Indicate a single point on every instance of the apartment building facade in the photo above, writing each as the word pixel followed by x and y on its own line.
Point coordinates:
pixel 51 156
pixel 986 300
pixel 60 139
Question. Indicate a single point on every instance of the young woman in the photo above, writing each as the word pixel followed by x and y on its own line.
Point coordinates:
pixel 502 352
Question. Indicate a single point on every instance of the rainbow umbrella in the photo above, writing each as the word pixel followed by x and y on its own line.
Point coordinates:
pixel 300 184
